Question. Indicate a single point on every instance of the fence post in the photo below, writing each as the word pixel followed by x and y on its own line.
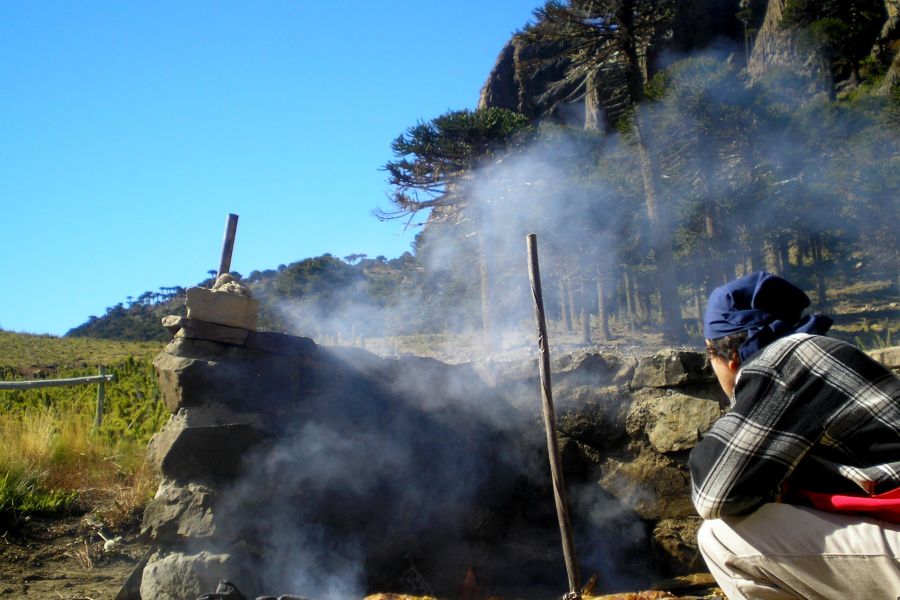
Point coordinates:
pixel 101 396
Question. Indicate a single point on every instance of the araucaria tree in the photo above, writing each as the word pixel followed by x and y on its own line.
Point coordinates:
pixel 434 167
pixel 606 46
pixel 436 158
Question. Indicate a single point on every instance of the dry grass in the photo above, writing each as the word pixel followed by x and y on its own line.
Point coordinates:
pixel 52 457
pixel 82 555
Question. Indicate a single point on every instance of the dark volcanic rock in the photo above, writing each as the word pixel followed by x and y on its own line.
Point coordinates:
pixel 202 448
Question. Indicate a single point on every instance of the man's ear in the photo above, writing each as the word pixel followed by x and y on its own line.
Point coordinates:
pixel 734 363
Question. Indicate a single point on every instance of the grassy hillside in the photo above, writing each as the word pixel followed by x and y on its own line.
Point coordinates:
pixel 24 355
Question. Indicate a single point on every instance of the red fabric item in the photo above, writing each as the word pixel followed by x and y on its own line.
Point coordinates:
pixel 884 506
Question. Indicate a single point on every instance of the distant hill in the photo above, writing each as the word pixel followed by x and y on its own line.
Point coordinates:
pixel 313 296
pixel 140 321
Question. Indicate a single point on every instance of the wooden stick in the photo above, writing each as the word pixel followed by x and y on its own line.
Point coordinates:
pixel 228 243
pixel 556 473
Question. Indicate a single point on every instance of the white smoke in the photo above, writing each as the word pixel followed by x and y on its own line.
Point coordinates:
pixel 709 155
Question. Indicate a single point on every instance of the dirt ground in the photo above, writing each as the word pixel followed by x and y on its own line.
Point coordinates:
pixel 67 558
pixel 71 557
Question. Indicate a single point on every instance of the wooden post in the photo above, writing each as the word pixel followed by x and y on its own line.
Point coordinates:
pixel 228 244
pixel 101 397
pixel 556 473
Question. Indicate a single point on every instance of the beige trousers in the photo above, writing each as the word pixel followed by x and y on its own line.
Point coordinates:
pixel 783 551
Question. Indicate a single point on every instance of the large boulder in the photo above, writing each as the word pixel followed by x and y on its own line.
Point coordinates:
pixel 595 369
pixel 671 421
pixel 195 372
pixel 179 576
pixel 179 513
pixel 203 444
pixel 652 485
pixel 593 415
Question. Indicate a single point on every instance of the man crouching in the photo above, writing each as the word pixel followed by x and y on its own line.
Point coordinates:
pixel 799 482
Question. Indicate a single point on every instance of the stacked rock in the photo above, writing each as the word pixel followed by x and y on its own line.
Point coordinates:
pixel 218 416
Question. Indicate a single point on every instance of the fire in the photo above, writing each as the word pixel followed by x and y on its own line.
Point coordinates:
pixel 469 589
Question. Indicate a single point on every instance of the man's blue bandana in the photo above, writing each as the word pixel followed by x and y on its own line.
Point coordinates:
pixel 764 305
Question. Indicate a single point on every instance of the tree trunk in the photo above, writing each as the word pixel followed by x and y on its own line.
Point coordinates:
pixel 484 269
pixel 771 256
pixel 658 214
pixel 783 252
pixel 699 294
pixel 564 306
pixel 571 297
pixel 593 111
pixel 818 253
pixel 658 211
pixel 716 262
pixel 602 312
pixel 640 314
pixel 629 297
pixel 644 304
pixel 585 327
pixel 802 249
pixel 755 250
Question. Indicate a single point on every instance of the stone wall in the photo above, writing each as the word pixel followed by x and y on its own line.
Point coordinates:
pixel 283 457
pixel 292 468
pixel 627 425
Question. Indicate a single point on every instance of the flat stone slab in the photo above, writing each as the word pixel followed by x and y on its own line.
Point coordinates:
pixel 265 341
pixel 280 343
pixel 221 308
pixel 203 330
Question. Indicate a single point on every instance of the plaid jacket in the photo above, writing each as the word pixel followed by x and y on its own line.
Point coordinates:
pixel 810 411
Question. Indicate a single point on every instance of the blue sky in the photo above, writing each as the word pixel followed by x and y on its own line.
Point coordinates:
pixel 129 130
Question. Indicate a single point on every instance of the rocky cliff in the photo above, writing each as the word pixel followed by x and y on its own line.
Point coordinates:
pixel 780 48
pixel 522 73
